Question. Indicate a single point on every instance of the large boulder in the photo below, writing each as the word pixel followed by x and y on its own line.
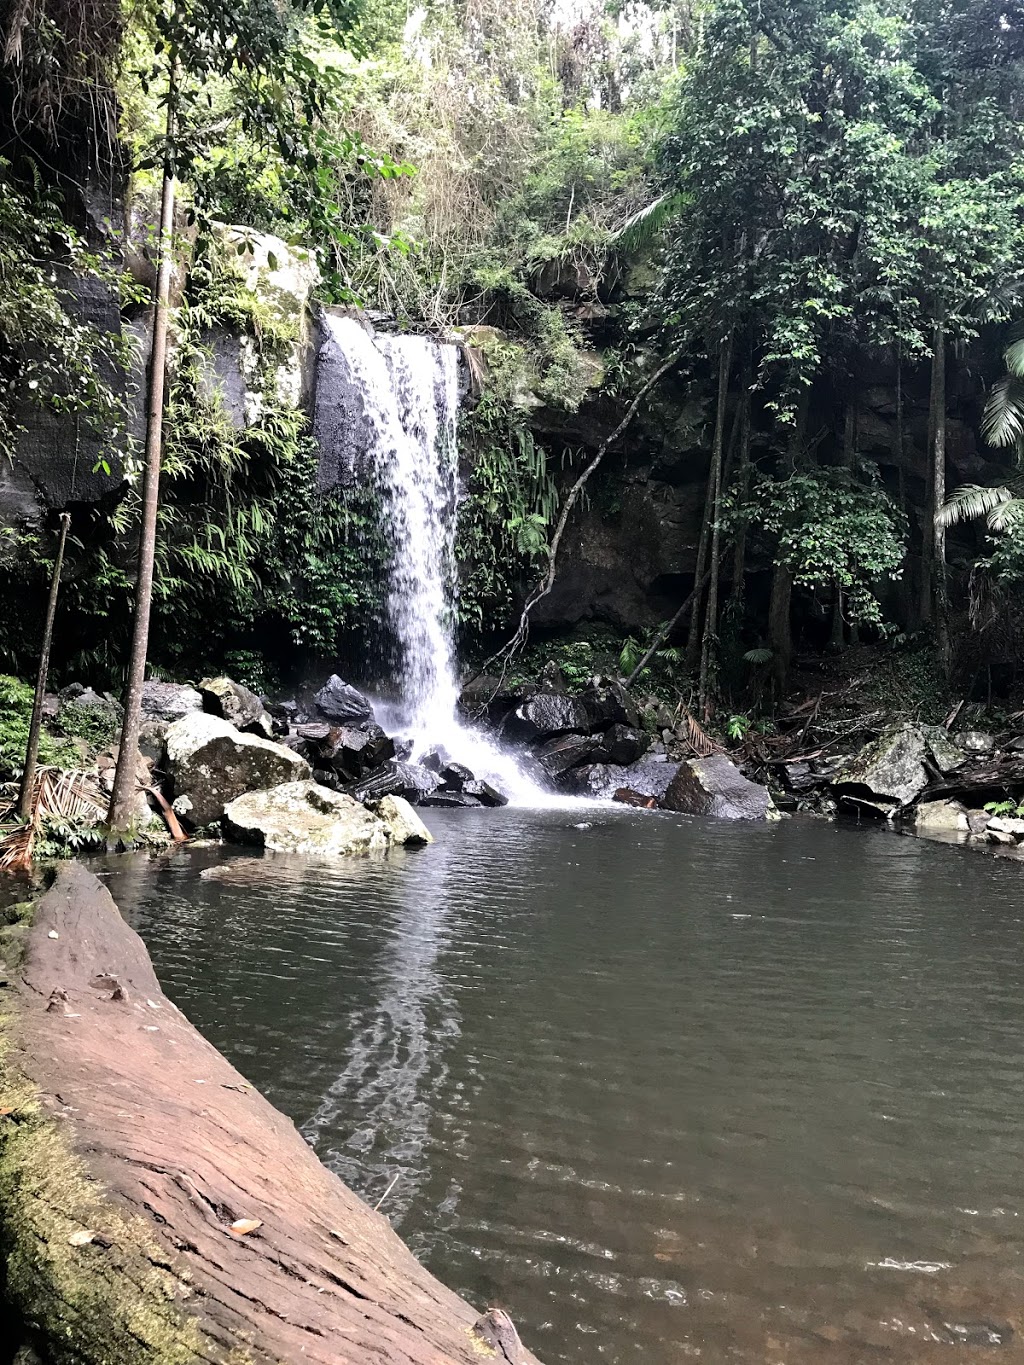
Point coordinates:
pixel 404 825
pixel 342 704
pixel 649 778
pixel 301 817
pixel 625 744
pixel 941 817
pixel 715 786
pixel 234 702
pixel 556 756
pixel 211 763
pixel 895 769
pixel 608 703
pixel 167 702
pixel 544 715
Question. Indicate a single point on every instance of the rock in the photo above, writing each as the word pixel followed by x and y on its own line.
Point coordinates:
pixel 946 755
pixel 1005 829
pixel 627 797
pixel 650 777
pixel 608 703
pixel 440 798
pixel 302 817
pixel 168 702
pixel 341 703
pixel 235 703
pixel 978 821
pixel 940 817
pixel 890 772
pixel 380 782
pixel 544 715
pixel 153 741
pixel 212 763
pixel 404 825
pixel 324 777
pixel 415 780
pixel 625 744
pixel 357 749
pixel 85 714
pixel 974 742
pixel 485 793
pixel 455 776
pixel 436 759
pixel 558 755
pixel 715 786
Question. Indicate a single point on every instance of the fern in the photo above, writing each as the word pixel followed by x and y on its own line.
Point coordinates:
pixel 1002 422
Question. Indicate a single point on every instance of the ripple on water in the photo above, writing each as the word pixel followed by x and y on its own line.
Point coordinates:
pixel 665 1089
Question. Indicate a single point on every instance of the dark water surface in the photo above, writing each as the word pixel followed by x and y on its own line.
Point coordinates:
pixel 662 1088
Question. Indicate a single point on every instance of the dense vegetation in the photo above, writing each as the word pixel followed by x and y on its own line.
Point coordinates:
pixel 809 204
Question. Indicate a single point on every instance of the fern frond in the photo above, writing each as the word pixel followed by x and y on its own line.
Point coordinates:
pixel 1014 357
pixel 1002 423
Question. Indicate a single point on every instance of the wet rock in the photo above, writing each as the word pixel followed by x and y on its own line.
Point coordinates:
pixel 485 793
pixel 895 769
pixel 978 821
pixel 1003 829
pixel 557 756
pixel 302 817
pixel 608 703
pixel 211 763
pixel 650 777
pixel 342 703
pixel 168 702
pixel 715 786
pixel 455 776
pixel 383 781
pixel 415 781
pixel 235 703
pixel 625 744
pixel 627 797
pixel 436 759
pixel 404 825
pixel 440 798
pixel 315 730
pixel 357 749
pixel 324 777
pixel 941 817
pixel 545 715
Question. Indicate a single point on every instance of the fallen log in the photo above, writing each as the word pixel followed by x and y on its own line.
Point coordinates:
pixel 155 1208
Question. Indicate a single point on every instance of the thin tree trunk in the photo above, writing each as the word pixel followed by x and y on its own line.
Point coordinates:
pixel 693 639
pixel 708 645
pixel 780 626
pixel 122 800
pixel 35 726
pixel 739 560
pixel 937 530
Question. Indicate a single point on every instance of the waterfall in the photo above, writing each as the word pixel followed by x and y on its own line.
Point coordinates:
pixel 387 410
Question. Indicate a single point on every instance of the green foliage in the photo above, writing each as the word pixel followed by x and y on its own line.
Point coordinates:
pixel 15 717
pixel 1014 809
pixel 832 527
pixel 48 358
pixel 510 503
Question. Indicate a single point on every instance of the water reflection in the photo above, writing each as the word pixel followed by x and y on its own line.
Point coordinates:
pixel 396 1059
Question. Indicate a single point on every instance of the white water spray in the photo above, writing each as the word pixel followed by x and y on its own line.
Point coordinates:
pixel 408 391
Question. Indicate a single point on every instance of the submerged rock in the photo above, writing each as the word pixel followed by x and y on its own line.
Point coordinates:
pixel 404 825
pixel 211 763
pixel 715 786
pixel 302 817
pixel 341 703
pixel 234 702
pixel 941 817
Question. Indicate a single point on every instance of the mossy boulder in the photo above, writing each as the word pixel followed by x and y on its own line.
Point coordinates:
pixel 303 817
pixel 211 764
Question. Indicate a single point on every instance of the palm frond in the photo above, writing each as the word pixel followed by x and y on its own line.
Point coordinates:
pixel 642 227
pixel 1014 357
pixel 1008 517
pixel 970 501
pixel 697 737
pixel 1002 423
pixel 761 655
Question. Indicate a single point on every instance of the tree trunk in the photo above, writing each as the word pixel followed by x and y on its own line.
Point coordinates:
pixel 122 800
pixel 32 748
pixel 708 645
pixel 739 559
pixel 693 639
pixel 779 629
pixel 933 536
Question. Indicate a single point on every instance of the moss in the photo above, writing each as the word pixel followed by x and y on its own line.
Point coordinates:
pixel 113 1300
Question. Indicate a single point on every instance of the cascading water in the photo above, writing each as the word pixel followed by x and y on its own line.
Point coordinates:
pixel 396 417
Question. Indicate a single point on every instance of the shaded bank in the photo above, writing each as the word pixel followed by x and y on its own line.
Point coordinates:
pixel 155 1208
